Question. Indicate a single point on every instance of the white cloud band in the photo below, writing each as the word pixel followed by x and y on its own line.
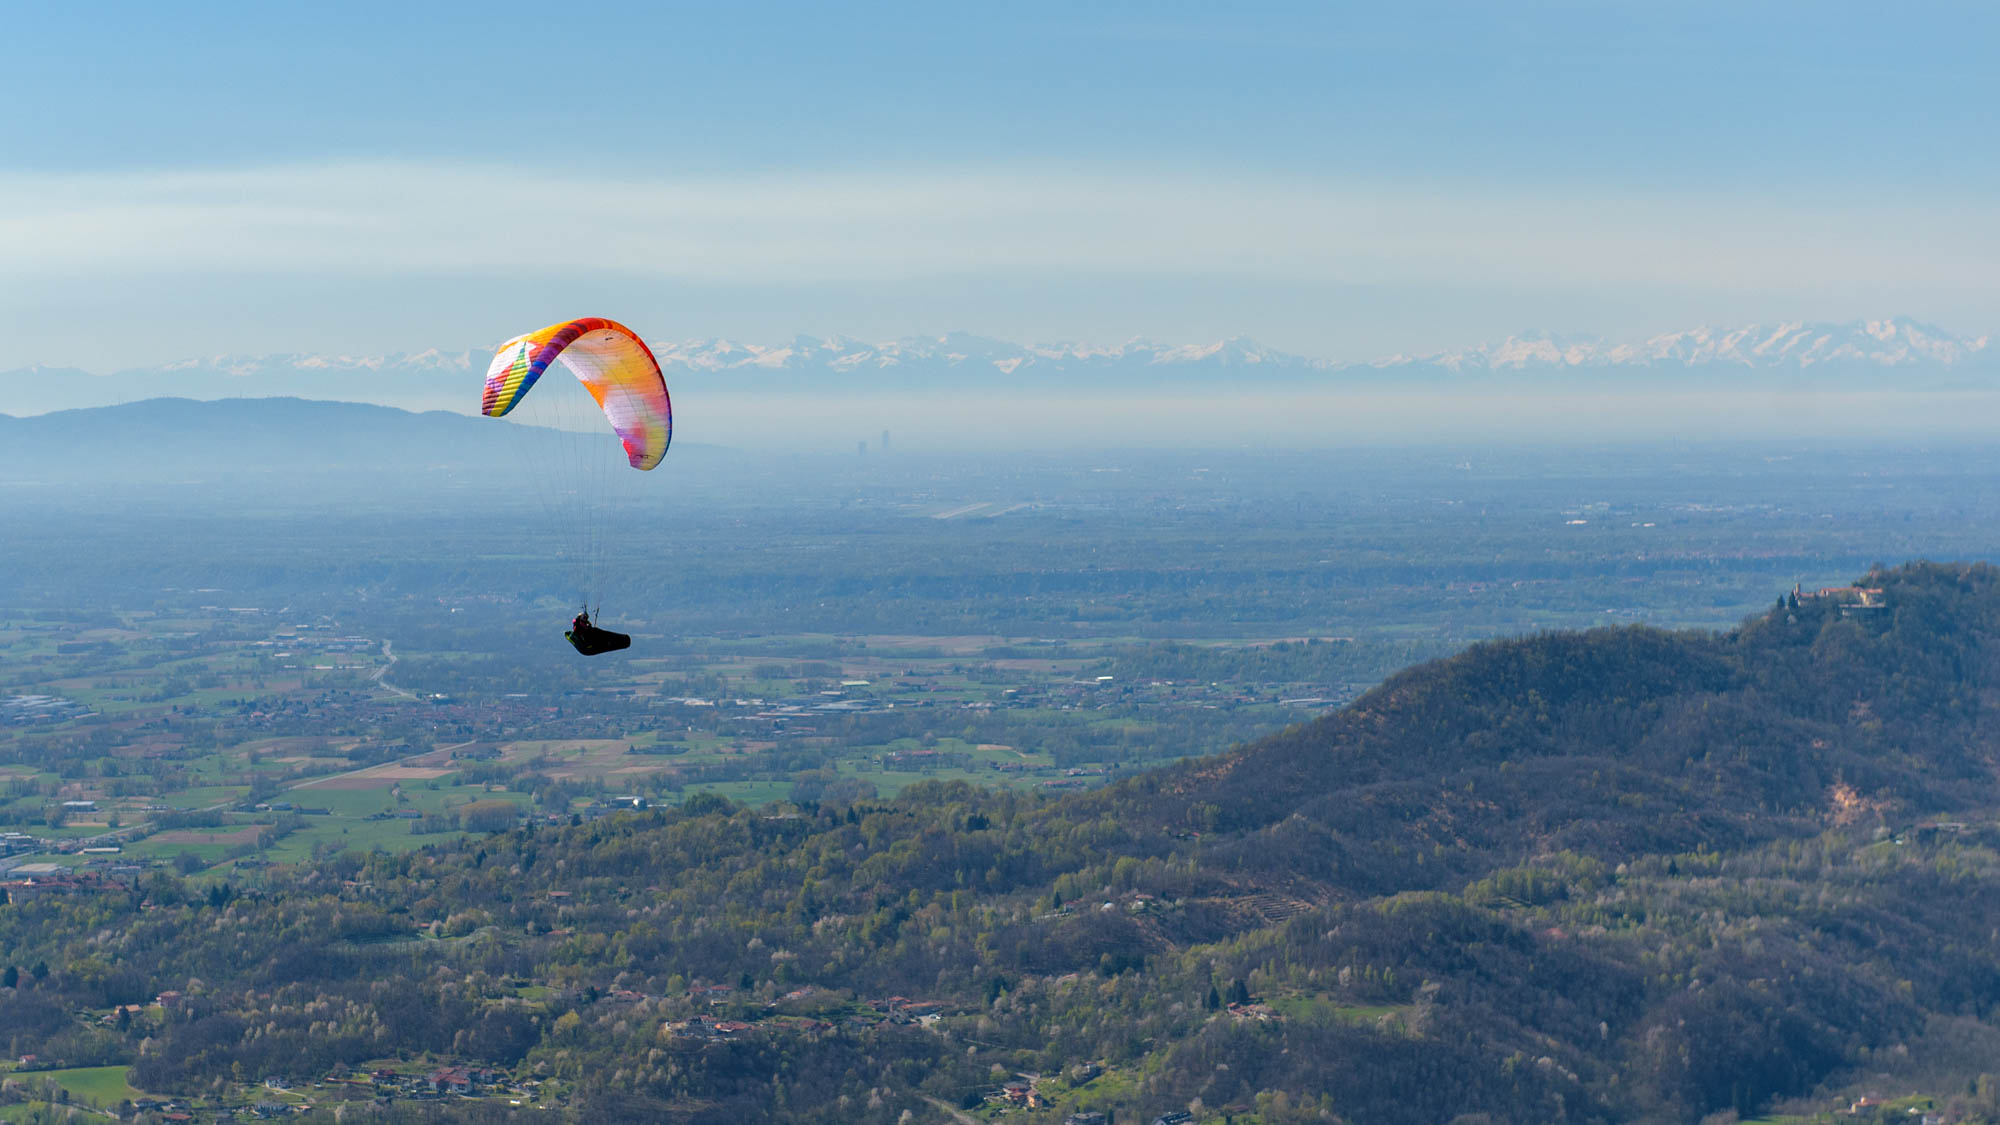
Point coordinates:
pixel 368 219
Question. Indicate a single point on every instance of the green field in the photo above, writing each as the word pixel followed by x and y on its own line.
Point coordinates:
pixel 95 1085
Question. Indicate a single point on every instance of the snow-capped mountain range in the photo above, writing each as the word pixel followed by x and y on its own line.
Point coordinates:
pixel 1898 353
pixel 961 351
pixel 1882 344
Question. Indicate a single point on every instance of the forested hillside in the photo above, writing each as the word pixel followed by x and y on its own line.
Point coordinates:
pixel 1610 876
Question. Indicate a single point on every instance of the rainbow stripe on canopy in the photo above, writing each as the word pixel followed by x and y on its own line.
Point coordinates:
pixel 611 361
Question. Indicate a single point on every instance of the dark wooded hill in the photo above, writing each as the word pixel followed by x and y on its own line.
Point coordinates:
pixel 1621 875
pixel 1616 743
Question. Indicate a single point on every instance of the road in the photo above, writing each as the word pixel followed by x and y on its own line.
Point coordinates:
pixel 388 650
pixel 956 1115
pixel 321 779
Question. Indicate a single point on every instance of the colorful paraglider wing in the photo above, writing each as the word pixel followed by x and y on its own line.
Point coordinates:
pixel 610 361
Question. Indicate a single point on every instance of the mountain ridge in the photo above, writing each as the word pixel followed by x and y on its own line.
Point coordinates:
pixel 1623 703
pixel 257 438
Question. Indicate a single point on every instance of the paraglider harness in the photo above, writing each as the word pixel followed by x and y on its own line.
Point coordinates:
pixel 589 640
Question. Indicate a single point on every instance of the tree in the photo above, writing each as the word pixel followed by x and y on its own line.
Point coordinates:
pixel 488 816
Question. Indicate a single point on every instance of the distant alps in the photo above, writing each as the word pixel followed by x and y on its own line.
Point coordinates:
pixel 1877 344
pixel 1894 353
pixel 1885 345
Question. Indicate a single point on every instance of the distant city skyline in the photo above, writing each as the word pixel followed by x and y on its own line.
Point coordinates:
pixel 1345 184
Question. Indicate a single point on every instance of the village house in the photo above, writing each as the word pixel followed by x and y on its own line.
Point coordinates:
pixel 457 1079
pixel 701 1027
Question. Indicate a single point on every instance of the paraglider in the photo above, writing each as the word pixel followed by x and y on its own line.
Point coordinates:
pixel 625 384
pixel 589 640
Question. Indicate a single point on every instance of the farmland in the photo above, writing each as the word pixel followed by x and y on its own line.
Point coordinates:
pixel 218 738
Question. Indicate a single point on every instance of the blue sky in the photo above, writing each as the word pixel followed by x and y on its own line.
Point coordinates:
pixel 1340 180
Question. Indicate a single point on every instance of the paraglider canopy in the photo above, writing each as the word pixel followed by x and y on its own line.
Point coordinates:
pixel 611 361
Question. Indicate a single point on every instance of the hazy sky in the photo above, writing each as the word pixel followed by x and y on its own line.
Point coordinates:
pixel 1339 180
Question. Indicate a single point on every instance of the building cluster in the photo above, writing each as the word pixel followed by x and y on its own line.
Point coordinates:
pixel 385 1085
pixel 782 713
pixel 164 1109
pixel 902 1009
pixel 1024 1092
pixel 39 880
pixel 893 1010
pixel 1019 1092
pixel 455 1080
pixel 701 1027
pixel 39 709
pixel 1851 601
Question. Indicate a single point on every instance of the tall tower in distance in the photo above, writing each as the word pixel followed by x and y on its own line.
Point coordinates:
pixel 885 441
